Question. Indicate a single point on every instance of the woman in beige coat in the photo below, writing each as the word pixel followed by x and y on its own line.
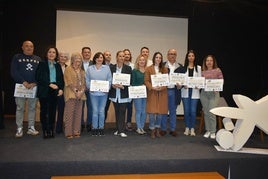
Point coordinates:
pixel 74 94
pixel 157 98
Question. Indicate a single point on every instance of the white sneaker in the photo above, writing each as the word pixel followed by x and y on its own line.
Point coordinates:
pixel 213 135
pixel 192 132
pixel 32 131
pixel 116 133
pixel 19 132
pixel 142 130
pixel 186 132
pixel 139 131
pixel 122 134
pixel 207 134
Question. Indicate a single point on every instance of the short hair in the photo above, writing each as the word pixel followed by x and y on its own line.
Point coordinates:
pixel 76 55
pixel 97 55
pixel 57 52
pixel 86 48
pixel 144 48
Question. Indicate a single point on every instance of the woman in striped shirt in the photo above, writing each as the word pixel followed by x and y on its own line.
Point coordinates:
pixel 210 99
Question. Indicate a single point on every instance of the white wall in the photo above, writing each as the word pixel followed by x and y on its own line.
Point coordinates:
pixel 103 31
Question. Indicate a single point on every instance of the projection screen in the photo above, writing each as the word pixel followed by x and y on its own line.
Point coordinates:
pixel 114 32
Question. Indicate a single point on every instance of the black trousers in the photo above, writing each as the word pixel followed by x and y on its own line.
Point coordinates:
pixel 107 107
pixel 120 114
pixel 59 123
pixel 48 108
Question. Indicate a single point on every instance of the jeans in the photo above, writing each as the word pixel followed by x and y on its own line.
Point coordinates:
pixel 172 112
pixel 140 114
pixel 98 106
pixel 209 100
pixel 190 108
pixel 89 110
pixel 20 102
pixel 155 120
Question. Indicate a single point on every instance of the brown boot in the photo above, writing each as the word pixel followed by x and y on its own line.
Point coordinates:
pixel 157 133
pixel 153 134
pixel 162 133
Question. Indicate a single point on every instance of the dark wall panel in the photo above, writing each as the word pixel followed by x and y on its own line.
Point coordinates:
pixel 240 51
pixel 35 21
pixel 234 31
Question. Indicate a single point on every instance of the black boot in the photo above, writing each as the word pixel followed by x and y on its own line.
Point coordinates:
pixel 94 132
pixel 101 132
pixel 45 134
pixel 82 128
pixel 52 134
pixel 88 128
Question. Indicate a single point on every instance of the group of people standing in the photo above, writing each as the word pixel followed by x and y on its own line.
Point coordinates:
pixel 66 89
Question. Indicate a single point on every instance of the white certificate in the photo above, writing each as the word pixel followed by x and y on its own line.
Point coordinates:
pixel 121 78
pixel 196 82
pixel 23 92
pixel 137 91
pixel 159 80
pixel 214 85
pixel 175 78
pixel 99 85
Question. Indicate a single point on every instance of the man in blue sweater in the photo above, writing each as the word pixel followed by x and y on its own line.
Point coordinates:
pixel 23 67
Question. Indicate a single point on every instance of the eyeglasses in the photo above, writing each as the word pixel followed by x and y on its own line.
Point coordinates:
pixel 172 54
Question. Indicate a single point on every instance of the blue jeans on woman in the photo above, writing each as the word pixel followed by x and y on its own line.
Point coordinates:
pixel 189 108
pixel 155 120
pixel 140 114
pixel 98 113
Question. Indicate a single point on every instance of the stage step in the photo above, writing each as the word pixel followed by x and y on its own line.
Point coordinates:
pixel 196 175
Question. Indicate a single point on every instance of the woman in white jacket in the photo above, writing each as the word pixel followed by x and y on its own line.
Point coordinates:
pixel 190 96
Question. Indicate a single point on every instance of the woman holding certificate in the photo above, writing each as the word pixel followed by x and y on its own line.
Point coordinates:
pixel 119 91
pixel 157 98
pixel 190 95
pixel 98 80
pixel 139 103
pixel 50 85
pixel 209 99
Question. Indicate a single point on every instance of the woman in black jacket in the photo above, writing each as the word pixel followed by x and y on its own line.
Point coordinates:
pixel 119 93
pixel 50 84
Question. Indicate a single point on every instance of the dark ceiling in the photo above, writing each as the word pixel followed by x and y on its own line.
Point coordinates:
pixel 178 8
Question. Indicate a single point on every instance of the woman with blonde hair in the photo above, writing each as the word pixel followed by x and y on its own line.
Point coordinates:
pixel 74 94
pixel 139 103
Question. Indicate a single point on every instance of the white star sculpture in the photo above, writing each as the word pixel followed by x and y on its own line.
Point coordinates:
pixel 248 114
